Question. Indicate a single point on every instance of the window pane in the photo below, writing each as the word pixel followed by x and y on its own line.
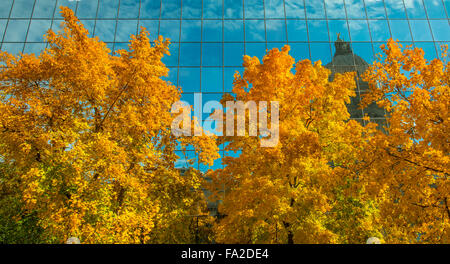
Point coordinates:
pixel 274 8
pixel 318 30
pixel 255 49
pixel 190 54
pixel 435 9
pixel 172 59
pixel 35 48
pixel 2 27
pixel 299 51
pixel 16 30
pixel 191 30
pixel 192 8
pixel 150 8
pixel 37 30
pixel 44 8
pixel 105 30
pixel 335 8
pixel 276 30
pixel 255 30
pixel 212 30
pixel 233 53
pixel 151 26
pixel 428 48
pixel 294 9
pixel 229 77
pixel 13 48
pixel 297 30
pixel 379 30
pixel 315 8
pixel 6 8
pixel 173 76
pixel 212 8
pixel 170 29
pixel 87 9
pixel 124 30
pixel 212 54
pixel 395 9
pixel 420 30
pixel 190 79
pixel 400 30
pixel 321 51
pixel 108 9
pixel 254 9
pixel 375 9
pixel 171 9
pixel 415 9
pixel 234 30
pixel 364 50
pixel 338 27
pixel 359 30
pixel 441 30
pixel 22 8
pixel 212 80
pixel 355 8
pixel 129 9
pixel 233 8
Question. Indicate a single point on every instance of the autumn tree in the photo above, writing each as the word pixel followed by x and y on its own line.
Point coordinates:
pixel 300 190
pixel 86 146
pixel 407 168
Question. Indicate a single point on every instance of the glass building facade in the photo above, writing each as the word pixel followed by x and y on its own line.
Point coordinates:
pixel 209 37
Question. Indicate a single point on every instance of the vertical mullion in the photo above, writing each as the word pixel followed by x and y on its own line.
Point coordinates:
pixel 117 22
pixel 285 22
pixel 429 26
pixel 265 27
pixel 328 31
pixel 307 29
pixel 139 17
pixel 407 19
pixel 96 17
pixel 53 18
pixel 353 55
pixel 28 29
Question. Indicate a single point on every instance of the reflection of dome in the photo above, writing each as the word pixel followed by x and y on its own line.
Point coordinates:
pixel 344 60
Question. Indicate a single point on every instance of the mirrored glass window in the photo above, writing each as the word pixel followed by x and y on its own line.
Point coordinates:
pixel 212 30
pixel 254 9
pixel 212 9
pixel 191 30
pixel 294 9
pixel 189 79
pixel 212 54
pixel 16 30
pixel 420 30
pixel 276 30
pixel 37 30
pixel 355 8
pixel 400 30
pixel 44 9
pixel 315 9
pixel 192 9
pixel 129 9
pixel 126 28
pixel 150 9
pixel 212 80
pixel 335 9
pixel 233 8
pixel 190 54
pixel 233 53
pixel 255 30
pixel 297 30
